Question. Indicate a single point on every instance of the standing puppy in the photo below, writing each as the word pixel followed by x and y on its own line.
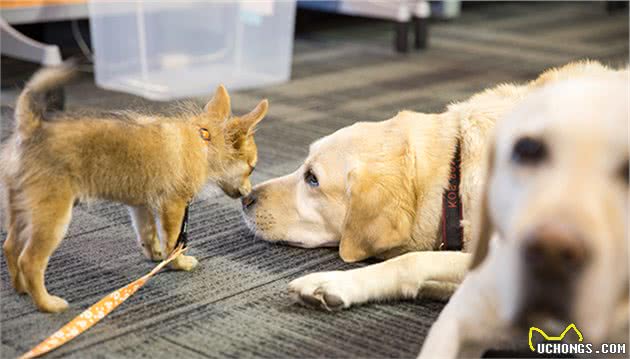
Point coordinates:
pixel 153 164
pixel 556 207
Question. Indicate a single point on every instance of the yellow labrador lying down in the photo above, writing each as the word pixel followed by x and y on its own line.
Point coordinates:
pixel 552 226
pixel 376 189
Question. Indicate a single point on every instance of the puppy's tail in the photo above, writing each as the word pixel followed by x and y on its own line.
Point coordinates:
pixel 31 105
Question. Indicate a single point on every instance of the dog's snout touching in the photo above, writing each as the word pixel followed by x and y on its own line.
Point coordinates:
pixel 249 200
pixel 554 251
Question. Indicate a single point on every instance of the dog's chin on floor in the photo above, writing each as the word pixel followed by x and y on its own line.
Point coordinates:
pixel 211 192
pixel 253 227
pixel 258 235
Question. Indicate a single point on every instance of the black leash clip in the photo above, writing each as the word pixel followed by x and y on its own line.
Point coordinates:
pixel 183 232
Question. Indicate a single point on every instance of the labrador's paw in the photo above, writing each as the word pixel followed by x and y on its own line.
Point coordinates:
pixel 326 290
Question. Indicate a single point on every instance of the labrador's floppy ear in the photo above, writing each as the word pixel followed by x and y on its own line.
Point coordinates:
pixel 482 224
pixel 381 210
pixel 220 103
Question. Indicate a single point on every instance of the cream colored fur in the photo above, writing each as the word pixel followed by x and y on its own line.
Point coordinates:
pixel 572 205
pixel 381 184
pixel 420 273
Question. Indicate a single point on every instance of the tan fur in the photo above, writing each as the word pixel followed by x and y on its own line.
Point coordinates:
pixel 153 164
pixel 381 184
pixel 483 226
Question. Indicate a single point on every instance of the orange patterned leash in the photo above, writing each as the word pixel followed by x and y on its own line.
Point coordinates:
pixel 97 312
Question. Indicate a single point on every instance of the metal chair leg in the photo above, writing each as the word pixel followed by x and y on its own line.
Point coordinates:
pixel 401 39
pixel 421 32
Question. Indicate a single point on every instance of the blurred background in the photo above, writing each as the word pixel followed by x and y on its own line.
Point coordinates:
pixel 323 65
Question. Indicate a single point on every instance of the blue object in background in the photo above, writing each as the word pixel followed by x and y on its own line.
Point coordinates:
pixel 330 6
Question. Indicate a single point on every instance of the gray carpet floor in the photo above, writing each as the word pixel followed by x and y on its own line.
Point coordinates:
pixel 235 304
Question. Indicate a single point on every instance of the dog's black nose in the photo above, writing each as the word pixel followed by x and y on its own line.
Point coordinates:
pixel 553 255
pixel 554 251
pixel 249 200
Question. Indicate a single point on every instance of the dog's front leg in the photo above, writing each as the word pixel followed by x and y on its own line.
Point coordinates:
pixel 401 277
pixel 49 219
pixel 146 232
pixel 469 323
pixel 14 242
pixel 171 215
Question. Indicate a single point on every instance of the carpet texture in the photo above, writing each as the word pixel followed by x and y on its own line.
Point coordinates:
pixel 235 304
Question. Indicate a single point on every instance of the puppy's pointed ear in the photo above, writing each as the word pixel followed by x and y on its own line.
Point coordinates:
pixel 220 103
pixel 380 213
pixel 246 124
pixel 481 223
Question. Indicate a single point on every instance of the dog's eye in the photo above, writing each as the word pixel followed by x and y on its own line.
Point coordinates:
pixel 311 179
pixel 251 169
pixel 529 151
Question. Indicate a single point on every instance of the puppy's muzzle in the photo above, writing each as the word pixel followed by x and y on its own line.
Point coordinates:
pixel 553 256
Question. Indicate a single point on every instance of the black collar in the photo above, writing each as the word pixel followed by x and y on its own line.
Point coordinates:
pixel 452 231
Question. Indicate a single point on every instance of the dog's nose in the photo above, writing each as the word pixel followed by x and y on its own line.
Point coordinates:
pixel 249 200
pixel 553 255
pixel 554 250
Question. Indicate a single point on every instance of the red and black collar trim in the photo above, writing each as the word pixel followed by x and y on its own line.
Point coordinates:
pixel 452 231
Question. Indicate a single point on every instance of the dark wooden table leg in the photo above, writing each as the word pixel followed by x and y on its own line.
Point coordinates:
pixel 614 6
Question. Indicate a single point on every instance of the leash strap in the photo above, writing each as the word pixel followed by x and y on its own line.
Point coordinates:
pixel 183 232
pixel 104 306
pixel 452 231
pixel 96 312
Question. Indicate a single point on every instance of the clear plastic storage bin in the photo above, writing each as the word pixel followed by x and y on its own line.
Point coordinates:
pixel 168 49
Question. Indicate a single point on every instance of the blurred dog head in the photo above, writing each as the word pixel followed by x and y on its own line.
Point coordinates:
pixel 557 196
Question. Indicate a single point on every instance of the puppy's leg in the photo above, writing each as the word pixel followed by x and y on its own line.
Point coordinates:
pixel 48 223
pixel 146 232
pixel 171 217
pixel 13 244
pixel 401 277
